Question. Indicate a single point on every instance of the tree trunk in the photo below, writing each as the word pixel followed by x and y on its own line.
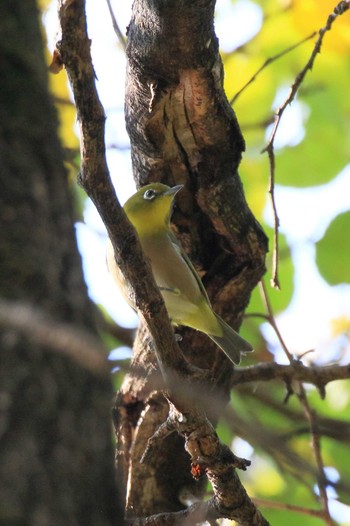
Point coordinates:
pixel 183 131
pixel 56 458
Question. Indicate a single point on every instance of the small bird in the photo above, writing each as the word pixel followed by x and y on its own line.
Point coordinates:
pixel 185 297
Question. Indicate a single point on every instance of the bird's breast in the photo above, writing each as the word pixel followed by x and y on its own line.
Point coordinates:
pixel 173 276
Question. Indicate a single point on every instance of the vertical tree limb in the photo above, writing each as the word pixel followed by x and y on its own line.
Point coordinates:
pixel 183 131
pixel 55 442
pixel 187 106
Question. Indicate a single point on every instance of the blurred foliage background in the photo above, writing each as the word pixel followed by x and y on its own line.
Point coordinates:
pixel 312 192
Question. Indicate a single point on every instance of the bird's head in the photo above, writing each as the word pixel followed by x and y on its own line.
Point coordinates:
pixel 150 208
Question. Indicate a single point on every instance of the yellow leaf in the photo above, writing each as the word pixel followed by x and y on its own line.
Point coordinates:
pixel 310 15
pixel 340 326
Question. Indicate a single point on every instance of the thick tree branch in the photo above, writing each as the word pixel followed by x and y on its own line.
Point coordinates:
pixel 313 374
pixel 74 50
pixel 190 109
pixel 41 329
pixel 195 514
pixel 56 452
pixel 183 130
pixel 210 457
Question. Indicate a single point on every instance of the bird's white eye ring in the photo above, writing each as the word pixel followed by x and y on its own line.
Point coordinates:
pixel 149 194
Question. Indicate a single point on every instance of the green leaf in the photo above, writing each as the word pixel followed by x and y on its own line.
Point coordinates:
pixel 333 250
pixel 324 151
pixel 279 298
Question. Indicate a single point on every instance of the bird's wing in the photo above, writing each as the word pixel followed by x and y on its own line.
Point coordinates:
pixel 184 256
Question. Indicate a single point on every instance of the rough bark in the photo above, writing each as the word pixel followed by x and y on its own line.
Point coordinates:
pixel 183 131
pixel 139 415
pixel 55 444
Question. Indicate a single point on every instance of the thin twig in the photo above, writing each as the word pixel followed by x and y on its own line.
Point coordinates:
pixel 274 281
pixel 267 62
pixel 330 427
pixel 316 446
pixel 340 9
pixel 116 27
pixel 272 321
pixel 290 507
pixel 310 415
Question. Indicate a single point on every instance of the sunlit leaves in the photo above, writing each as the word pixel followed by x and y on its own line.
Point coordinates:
pixel 313 12
pixel 279 298
pixel 322 91
pixel 315 159
pixel 333 251
pixel 320 153
pixel 322 149
pixel 58 85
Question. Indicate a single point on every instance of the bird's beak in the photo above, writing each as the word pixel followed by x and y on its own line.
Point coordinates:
pixel 173 190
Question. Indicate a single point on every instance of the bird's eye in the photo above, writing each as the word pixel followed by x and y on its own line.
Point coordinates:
pixel 149 194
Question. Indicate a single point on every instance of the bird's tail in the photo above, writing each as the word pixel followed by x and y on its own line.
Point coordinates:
pixel 231 342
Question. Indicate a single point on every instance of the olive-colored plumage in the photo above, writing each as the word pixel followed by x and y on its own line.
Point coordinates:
pixel 184 295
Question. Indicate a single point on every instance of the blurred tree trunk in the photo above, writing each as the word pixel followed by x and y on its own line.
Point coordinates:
pixel 183 131
pixel 56 458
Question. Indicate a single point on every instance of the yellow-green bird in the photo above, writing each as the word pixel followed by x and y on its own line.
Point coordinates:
pixel 185 297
